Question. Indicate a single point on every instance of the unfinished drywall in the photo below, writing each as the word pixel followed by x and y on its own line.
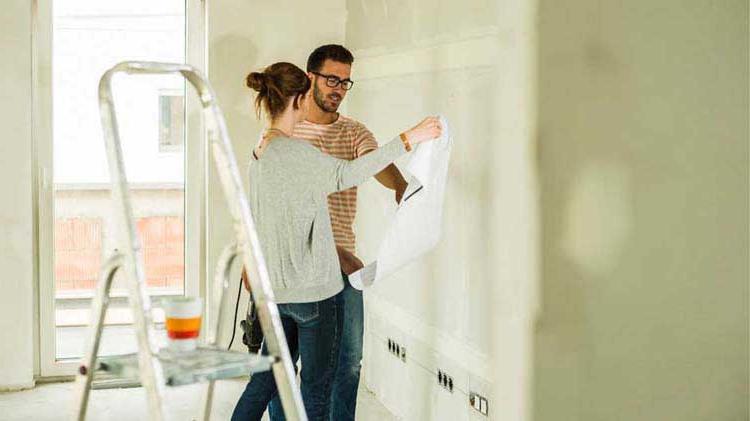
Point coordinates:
pixel 17 253
pixel 465 308
pixel 416 58
pixel 643 111
pixel 243 37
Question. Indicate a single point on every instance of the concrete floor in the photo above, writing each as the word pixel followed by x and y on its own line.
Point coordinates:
pixel 54 401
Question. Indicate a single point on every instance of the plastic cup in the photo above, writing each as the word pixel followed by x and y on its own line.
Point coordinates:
pixel 183 321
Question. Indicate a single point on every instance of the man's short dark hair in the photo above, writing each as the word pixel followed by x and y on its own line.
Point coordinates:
pixel 333 52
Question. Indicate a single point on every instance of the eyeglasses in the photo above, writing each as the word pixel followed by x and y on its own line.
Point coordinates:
pixel 334 81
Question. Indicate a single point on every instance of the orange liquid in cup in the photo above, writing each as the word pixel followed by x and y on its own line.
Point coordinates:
pixel 183 322
pixel 183 328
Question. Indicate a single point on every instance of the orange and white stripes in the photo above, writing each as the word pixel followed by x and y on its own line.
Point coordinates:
pixel 344 139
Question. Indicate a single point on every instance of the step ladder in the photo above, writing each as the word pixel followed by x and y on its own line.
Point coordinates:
pixel 151 367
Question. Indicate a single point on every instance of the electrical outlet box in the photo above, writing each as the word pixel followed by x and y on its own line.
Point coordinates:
pixel 445 381
pixel 479 403
pixel 396 349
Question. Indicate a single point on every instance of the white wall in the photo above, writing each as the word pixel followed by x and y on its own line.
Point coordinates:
pixel 416 58
pixel 466 307
pixel 643 162
pixel 17 248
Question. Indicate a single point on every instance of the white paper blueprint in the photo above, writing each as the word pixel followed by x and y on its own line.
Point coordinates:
pixel 417 224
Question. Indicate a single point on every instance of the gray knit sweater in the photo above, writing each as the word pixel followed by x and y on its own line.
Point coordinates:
pixel 289 186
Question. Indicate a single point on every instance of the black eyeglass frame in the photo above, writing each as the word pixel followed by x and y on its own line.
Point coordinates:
pixel 333 81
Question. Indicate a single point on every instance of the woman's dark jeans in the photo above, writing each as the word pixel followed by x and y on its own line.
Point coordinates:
pixel 313 331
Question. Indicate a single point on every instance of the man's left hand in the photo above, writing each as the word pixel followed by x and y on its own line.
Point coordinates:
pixel 391 178
pixel 349 262
pixel 400 189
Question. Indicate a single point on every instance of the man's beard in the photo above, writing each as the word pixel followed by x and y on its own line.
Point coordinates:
pixel 320 100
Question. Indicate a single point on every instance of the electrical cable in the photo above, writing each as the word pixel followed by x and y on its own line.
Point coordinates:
pixel 234 323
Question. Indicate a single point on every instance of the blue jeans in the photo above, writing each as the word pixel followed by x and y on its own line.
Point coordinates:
pixel 312 331
pixel 346 381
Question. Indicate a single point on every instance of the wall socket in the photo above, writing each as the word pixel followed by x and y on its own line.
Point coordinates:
pixel 445 381
pixel 397 349
pixel 479 403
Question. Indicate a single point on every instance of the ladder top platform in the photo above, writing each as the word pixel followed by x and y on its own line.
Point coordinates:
pixel 188 367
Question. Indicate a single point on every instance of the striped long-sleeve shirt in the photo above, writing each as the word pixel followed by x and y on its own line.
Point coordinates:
pixel 344 139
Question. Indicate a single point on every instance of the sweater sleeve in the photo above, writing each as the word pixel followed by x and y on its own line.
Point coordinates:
pixel 340 174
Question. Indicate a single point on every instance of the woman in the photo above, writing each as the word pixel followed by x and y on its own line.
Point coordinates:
pixel 289 184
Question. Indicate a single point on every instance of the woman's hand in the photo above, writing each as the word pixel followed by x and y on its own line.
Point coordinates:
pixel 429 129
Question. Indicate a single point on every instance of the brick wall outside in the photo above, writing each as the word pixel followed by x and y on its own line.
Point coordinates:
pixel 163 244
pixel 78 244
pixel 78 251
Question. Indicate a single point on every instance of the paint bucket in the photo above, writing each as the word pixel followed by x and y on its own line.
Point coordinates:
pixel 183 322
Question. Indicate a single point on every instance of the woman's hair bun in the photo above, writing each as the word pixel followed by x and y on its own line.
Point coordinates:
pixel 276 85
pixel 257 81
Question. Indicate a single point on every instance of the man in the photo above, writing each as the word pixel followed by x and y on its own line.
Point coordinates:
pixel 329 68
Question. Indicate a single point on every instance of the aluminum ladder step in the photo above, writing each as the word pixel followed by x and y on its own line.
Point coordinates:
pixel 186 367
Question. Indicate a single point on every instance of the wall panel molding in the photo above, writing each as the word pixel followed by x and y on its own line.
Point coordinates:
pixel 477 49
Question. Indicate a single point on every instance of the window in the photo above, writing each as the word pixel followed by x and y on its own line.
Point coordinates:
pixel 171 122
pixel 88 37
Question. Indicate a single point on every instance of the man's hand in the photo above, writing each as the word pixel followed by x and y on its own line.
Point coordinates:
pixel 400 189
pixel 349 262
pixel 391 178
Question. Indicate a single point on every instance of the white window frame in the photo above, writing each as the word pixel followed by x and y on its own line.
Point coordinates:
pixel 46 363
